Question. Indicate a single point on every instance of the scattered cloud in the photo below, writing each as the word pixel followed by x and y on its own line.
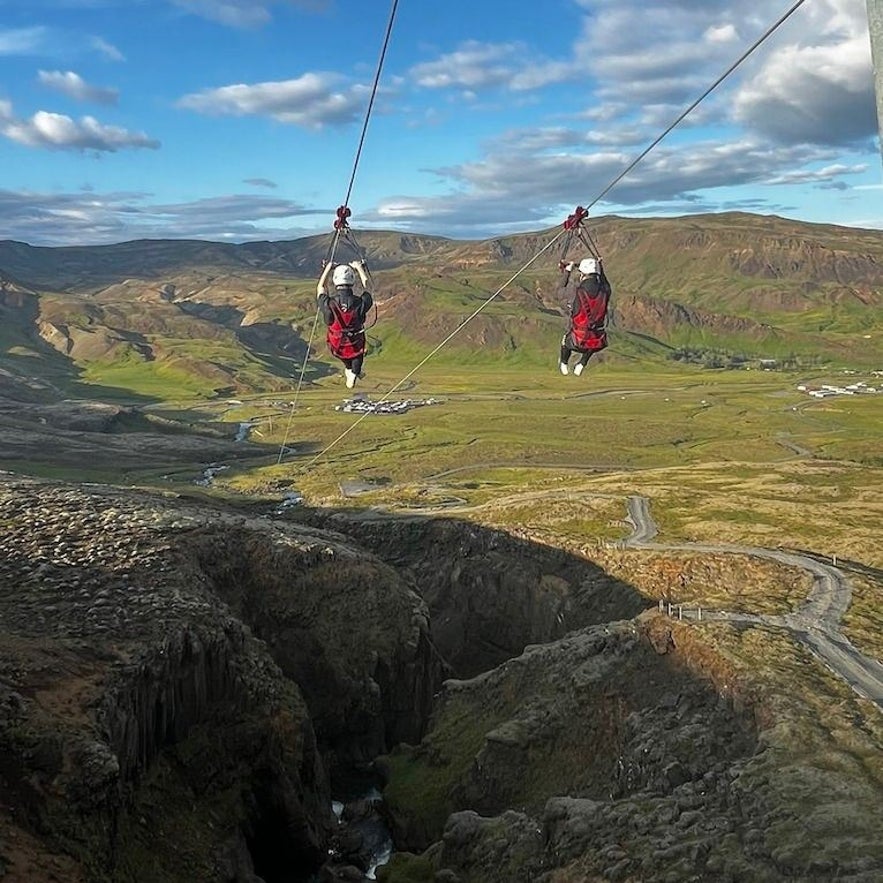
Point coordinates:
pixel 88 217
pixel 485 195
pixel 108 50
pixel 824 175
pixel 799 112
pixel 786 114
pixel 313 100
pixel 244 13
pixel 477 66
pixel 474 65
pixel 55 131
pixel 74 86
pixel 22 41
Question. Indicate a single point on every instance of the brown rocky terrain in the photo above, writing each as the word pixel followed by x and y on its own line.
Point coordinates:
pixel 147 733
pixel 184 686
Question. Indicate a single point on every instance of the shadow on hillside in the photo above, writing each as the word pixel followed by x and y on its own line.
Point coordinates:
pixel 489 593
pixel 278 345
pixel 857 567
pixel 32 370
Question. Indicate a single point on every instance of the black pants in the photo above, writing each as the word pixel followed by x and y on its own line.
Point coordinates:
pixel 567 352
pixel 354 365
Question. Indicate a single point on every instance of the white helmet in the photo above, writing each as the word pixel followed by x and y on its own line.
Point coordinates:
pixel 587 266
pixel 343 275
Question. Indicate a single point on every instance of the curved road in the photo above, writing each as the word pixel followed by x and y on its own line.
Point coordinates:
pixel 816 624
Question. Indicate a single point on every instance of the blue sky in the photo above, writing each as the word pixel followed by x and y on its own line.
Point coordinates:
pixel 238 120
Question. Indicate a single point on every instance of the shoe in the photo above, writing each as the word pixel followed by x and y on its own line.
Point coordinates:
pixel 562 367
pixel 350 378
pixel 578 368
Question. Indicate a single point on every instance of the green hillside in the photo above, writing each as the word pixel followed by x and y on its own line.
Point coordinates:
pixel 166 319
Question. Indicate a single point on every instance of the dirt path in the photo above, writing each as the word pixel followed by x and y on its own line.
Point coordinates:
pixel 816 624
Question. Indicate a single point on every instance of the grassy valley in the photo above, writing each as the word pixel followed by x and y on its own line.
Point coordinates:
pixel 188 340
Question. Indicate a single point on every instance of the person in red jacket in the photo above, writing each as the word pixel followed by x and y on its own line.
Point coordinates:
pixel 344 313
pixel 587 332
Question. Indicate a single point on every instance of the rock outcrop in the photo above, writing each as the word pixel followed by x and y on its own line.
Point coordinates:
pixel 630 751
pixel 145 732
pixel 489 593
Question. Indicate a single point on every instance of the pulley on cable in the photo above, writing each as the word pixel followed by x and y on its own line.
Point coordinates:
pixel 575 229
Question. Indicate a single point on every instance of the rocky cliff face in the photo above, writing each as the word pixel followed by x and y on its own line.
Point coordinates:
pixel 146 733
pixel 343 625
pixel 180 685
pixel 647 315
pixel 490 593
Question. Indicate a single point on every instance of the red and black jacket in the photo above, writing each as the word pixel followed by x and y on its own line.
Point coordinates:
pixel 345 313
pixel 588 314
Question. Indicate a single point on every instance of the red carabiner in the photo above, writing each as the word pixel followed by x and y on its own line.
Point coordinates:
pixel 343 212
pixel 573 221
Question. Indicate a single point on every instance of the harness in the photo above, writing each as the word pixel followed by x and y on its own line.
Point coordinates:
pixel 346 333
pixel 587 331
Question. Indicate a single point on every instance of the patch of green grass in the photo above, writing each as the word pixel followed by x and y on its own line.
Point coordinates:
pixel 405 867
pixel 420 779
pixel 863 622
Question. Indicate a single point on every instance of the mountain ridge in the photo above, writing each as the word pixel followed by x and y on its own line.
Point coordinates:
pixel 224 316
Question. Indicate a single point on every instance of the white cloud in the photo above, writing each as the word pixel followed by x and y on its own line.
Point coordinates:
pixel 820 94
pixel 473 66
pixel 108 50
pixel 810 81
pixel 21 41
pixel 721 34
pixel 244 13
pixel 74 86
pixel 56 131
pixel 312 100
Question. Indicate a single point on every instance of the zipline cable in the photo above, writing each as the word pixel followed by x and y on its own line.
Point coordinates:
pixel 343 211
pixel 392 15
pixel 641 156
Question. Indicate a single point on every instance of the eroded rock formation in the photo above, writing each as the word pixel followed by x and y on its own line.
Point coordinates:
pixel 146 733
pixel 490 593
pixel 180 685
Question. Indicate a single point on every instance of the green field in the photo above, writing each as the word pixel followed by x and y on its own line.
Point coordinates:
pixel 736 455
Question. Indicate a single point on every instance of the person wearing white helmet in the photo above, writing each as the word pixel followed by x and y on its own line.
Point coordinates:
pixel 587 331
pixel 344 313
